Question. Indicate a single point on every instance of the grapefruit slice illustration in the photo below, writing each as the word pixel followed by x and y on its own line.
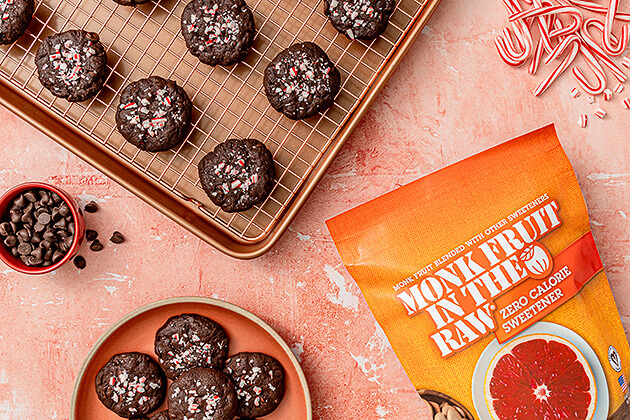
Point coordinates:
pixel 540 377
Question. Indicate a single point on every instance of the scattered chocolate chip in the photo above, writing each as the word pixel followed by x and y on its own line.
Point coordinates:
pixel 56 198
pixel 90 234
pixel 16 216
pixel 79 262
pixel 24 248
pixel 57 256
pixel 64 210
pixel 38 253
pixel 44 218
pixel 39 227
pixel 10 241
pixel 96 246
pixel 91 207
pixel 19 202
pixel 23 235
pixel 117 238
pixel 60 224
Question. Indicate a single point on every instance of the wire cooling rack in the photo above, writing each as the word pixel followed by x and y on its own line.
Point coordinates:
pixel 228 102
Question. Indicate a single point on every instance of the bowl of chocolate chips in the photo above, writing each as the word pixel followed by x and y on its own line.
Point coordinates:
pixel 41 228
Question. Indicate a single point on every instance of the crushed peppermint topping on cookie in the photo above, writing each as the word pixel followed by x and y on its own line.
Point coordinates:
pixel 4 5
pixel 191 350
pixel 68 61
pixel 126 388
pixel 151 114
pixel 306 77
pixel 216 28
pixel 356 13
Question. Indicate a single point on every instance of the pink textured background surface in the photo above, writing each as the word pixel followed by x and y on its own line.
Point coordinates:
pixel 450 98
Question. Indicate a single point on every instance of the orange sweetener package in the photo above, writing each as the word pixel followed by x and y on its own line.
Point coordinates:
pixel 485 277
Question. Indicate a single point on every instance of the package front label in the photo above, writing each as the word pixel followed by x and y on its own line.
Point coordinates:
pixel 487 281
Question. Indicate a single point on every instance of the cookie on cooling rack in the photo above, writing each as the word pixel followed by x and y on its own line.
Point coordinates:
pixel 301 81
pixel 218 32
pixel 131 384
pixel 238 174
pixel 189 341
pixel 259 381
pixel 16 16
pixel 72 65
pixel 154 114
pixel 202 394
pixel 362 19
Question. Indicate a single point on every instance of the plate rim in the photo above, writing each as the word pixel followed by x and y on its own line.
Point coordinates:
pixel 188 299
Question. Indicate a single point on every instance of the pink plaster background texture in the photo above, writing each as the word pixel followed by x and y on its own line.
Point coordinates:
pixel 450 98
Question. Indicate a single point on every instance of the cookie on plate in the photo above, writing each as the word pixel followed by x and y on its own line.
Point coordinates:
pixel 16 16
pixel 218 32
pixel 301 81
pixel 189 341
pixel 131 384
pixel 259 381
pixel 72 65
pixel 237 174
pixel 362 19
pixel 154 114
pixel 202 394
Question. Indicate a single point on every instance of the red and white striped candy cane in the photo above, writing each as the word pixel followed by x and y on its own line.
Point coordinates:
pixel 596 68
pixel 572 40
pixel 547 10
pixel 622 44
pixel 533 65
pixel 596 49
pixel 509 53
pixel 597 8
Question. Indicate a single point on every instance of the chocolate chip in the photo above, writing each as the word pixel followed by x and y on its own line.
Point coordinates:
pixel 66 244
pixel 61 224
pixel 10 241
pixel 30 196
pixel 36 238
pixel 5 229
pixel 117 238
pixel 71 228
pixel 56 216
pixel 91 207
pixel 24 248
pixel 90 234
pixel 56 198
pixel 39 227
pixel 46 263
pixel 23 234
pixel 27 218
pixel 64 210
pixel 96 246
pixel 38 253
pixel 19 202
pixel 46 244
pixel 44 218
pixel 57 256
pixel 48 255
pixel 14 252
pixel 79 262
pixel 49 235
pixel 16 216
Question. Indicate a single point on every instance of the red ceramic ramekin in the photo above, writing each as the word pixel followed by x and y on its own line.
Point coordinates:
pixel 79 227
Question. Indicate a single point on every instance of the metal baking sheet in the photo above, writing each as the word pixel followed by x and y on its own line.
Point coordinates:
pixel 228 102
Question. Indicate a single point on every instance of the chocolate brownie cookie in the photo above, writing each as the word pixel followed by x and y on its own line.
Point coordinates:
pixel 301 81
pixel 362 19
pixel 218 31
pixel 202 394
pixel 154 114
pixel 188 341
pixel 237 174
pixel 131 384
pixel 259 381
pixel 72 65
pixel 16 16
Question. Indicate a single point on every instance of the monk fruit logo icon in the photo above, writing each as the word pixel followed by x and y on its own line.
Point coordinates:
pixel 537 260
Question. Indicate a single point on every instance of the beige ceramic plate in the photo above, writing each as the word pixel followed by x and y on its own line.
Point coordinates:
pixel 136 332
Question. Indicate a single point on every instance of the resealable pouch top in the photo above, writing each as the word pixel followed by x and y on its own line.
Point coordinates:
pixel 486 279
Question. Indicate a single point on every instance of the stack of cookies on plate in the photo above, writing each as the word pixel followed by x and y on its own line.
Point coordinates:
pixel 192 351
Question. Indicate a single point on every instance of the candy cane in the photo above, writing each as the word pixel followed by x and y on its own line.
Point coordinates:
pixel 575 41
pixel 596 49
pixel 547 10
pixel 543 26
pixel 592 62
pixel 510 54
pixel 533 66
pixel 592 7
pixel 622 44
